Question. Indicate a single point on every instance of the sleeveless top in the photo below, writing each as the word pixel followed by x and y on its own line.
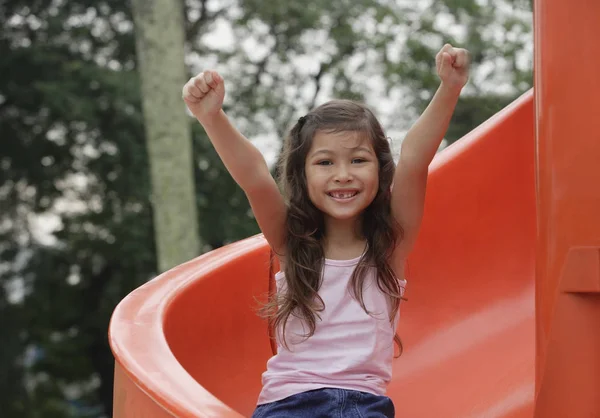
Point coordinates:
pixel 350 349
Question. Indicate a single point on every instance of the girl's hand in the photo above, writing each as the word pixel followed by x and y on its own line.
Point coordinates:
pixel 452 66
pixel 204 94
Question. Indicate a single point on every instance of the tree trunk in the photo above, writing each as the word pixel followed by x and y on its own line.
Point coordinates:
pixel 160 52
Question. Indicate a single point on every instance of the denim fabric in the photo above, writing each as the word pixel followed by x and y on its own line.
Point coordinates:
pixel 328 403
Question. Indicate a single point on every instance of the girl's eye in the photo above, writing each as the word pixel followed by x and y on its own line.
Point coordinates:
pixel 358 160
pixel 324 162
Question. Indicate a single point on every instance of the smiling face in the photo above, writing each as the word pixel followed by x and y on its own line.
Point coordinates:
pixel 342 174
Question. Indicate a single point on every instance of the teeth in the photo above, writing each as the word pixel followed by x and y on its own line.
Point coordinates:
pixel 343 195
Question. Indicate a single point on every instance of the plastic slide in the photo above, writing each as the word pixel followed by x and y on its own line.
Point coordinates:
pixel 503 307
pixel 189 344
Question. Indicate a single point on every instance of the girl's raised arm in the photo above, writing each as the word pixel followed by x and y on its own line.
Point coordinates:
pixel 204 96
pixel 421 143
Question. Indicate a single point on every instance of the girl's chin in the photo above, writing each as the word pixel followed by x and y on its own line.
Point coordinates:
pixel 341 216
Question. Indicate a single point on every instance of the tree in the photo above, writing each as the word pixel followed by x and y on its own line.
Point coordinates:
pixel 160 50
pixel 76 226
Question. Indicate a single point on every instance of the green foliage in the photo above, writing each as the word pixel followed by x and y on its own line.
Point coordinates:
pixel 73 161
pixel 498 35
pixel 225 214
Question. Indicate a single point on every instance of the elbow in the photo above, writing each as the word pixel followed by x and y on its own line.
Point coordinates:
pixel 411 156
pixel 255 179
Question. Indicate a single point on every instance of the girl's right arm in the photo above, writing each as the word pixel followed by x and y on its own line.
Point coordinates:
pixel 204 95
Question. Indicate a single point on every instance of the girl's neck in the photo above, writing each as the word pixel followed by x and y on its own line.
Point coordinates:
pixel 343 240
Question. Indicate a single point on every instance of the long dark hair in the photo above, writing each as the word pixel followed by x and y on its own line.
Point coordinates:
pixel 304 255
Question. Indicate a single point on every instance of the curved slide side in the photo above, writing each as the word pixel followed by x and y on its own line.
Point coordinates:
pixel 189 343
pixel 469 324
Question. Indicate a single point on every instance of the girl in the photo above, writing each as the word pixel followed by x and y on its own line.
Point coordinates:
pixel 342 235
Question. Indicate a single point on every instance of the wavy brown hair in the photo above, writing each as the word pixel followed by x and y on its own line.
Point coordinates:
pixel 304 254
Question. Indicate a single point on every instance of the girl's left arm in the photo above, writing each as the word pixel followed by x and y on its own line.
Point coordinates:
pixel 422 142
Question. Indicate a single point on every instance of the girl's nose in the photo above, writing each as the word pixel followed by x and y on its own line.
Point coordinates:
pixel 343 175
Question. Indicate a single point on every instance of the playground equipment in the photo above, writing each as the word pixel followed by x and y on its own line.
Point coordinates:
pixel 503 311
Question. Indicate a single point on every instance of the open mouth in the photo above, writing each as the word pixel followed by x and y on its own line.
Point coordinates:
pixel 343 194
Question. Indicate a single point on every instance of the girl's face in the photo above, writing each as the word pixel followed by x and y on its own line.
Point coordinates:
pixel 342 174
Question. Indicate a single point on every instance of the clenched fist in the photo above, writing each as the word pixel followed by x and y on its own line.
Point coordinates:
pixel 204 95
pixel 452 65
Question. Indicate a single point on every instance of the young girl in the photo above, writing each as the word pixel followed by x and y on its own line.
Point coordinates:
pixel 342 234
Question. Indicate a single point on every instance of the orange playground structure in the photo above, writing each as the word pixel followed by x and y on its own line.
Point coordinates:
pixel 503 311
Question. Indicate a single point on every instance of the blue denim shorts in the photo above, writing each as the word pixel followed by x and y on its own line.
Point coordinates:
pixel 328 403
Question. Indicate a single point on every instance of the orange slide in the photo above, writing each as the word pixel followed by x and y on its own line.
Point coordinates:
pixel 503 311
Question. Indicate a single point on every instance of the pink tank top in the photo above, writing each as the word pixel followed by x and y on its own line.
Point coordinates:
pixel 350 349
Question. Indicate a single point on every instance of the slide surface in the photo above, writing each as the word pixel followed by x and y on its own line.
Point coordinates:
pixel 189 343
